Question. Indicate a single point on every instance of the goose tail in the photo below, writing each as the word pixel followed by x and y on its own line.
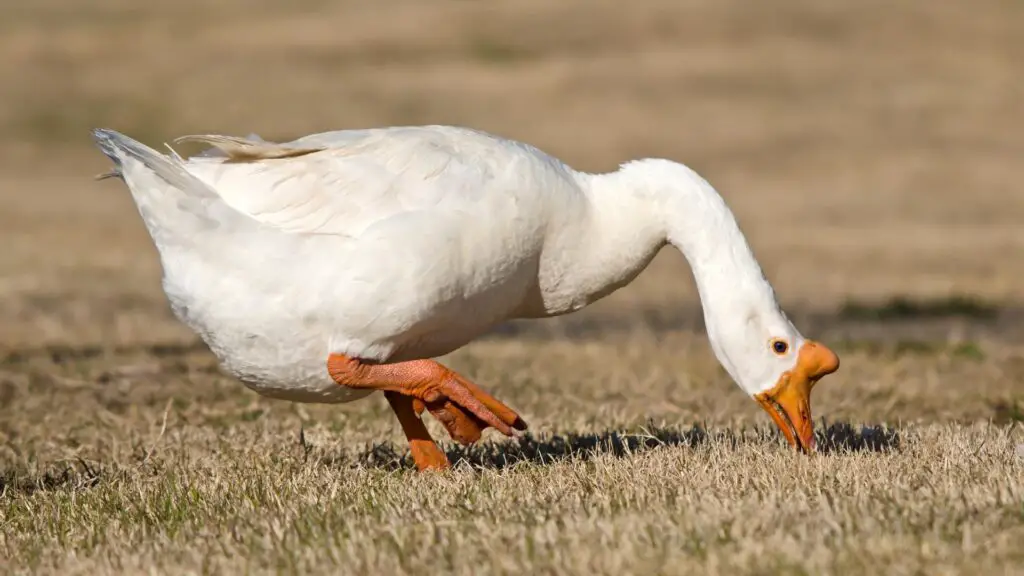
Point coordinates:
pixel 175 204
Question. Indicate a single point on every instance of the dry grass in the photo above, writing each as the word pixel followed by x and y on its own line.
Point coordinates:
pixel 122 460
pixel 871 150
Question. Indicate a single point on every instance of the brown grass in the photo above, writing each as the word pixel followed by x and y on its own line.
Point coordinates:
pixel 871 150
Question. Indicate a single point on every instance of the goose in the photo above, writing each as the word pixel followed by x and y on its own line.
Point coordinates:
pixel 341 263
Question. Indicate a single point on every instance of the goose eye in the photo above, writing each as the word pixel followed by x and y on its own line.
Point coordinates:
pixel 780 347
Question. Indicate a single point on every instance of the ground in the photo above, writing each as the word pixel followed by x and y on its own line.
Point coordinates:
pixel 872 152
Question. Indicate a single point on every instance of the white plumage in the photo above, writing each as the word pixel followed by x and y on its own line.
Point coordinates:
pixel 402 243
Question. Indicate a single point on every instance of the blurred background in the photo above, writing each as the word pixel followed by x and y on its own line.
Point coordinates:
pixel 872 150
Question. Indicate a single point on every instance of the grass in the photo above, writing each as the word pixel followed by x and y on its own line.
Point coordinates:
pixel 131 458
pixel 880 196
pixel 735 503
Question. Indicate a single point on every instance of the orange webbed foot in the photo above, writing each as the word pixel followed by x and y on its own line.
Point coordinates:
pixel 463 408
pixel 464 426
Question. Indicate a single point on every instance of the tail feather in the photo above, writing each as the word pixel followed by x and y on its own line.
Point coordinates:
pixel 120 148
pixel 175 204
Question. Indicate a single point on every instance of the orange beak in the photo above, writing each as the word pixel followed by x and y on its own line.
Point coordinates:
pixel 789 401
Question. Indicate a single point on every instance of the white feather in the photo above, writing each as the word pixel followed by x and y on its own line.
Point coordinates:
pixel 401 243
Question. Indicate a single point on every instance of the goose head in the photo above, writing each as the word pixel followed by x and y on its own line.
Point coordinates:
pixel 773 363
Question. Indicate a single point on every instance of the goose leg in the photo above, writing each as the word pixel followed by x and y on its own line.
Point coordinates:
pixel 461 406
pixel 425 452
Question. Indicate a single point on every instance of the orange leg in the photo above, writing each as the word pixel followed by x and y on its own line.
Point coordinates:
pixel 462 407
pixel 425 452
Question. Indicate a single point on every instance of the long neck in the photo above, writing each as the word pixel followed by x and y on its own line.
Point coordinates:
pixel 700 224
pixel 626 218
pixel 740 308
pixel 662 199
pixel 646 204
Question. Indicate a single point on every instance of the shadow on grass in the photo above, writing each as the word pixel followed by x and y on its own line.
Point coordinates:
pixel 830 439
pixel 78 475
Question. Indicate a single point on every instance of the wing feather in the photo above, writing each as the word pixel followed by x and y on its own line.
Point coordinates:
pixel 316 187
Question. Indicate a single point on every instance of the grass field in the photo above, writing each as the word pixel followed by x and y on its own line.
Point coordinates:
pixel 872 152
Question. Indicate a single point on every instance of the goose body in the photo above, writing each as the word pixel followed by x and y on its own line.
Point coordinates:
pixel 393 245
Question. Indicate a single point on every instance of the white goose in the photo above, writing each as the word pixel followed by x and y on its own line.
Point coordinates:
pixel 325 268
